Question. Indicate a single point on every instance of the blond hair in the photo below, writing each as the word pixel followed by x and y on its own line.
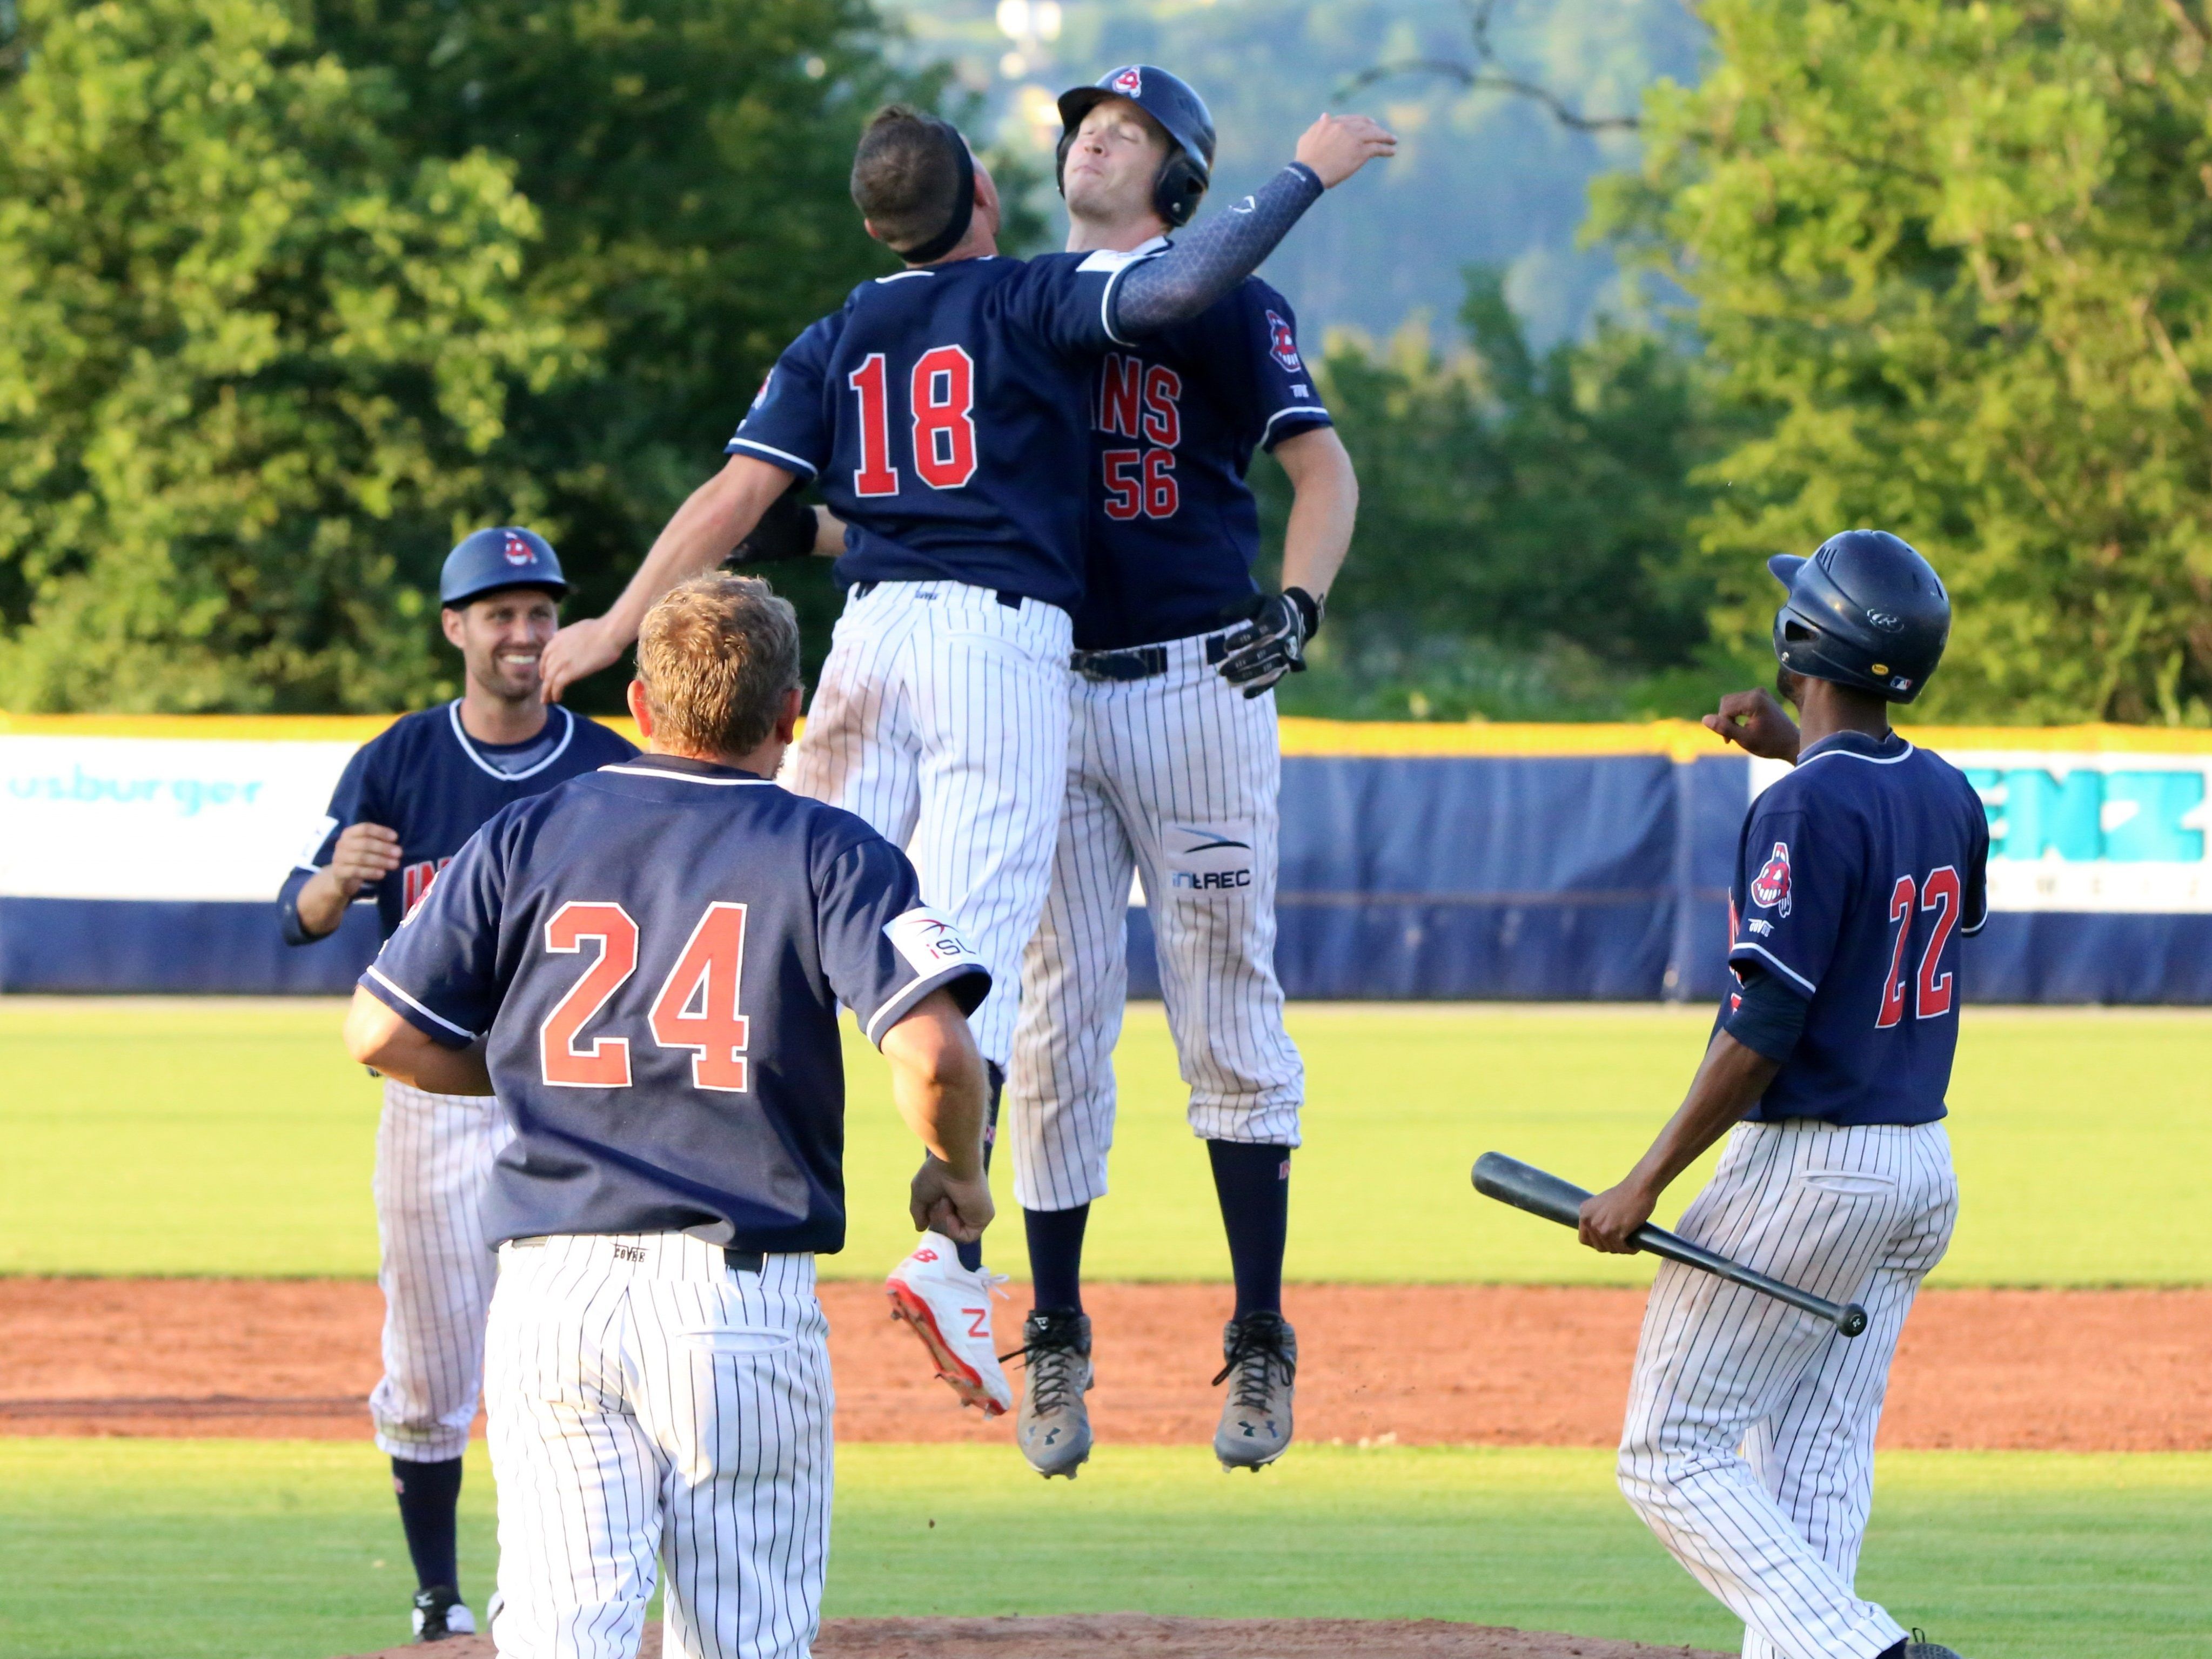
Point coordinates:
pixel 718 656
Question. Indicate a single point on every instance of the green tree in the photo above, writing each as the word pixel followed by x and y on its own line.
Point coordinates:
pixel 689 162
pixel 247 354
pixel 1523 545
pixel 1957 257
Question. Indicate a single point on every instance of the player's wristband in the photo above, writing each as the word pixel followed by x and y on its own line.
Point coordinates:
pixel 786 531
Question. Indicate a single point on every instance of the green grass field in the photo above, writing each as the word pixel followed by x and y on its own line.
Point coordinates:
pixel 288 1550
pixel 235 1138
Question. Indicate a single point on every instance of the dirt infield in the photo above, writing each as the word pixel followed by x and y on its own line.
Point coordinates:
pixel 1138 1636
pixel 2075 1370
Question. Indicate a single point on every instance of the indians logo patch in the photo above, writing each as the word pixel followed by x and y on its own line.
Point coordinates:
pixel 1129 83
pixel 517 550
pixel 1770 889
pixel 1280 346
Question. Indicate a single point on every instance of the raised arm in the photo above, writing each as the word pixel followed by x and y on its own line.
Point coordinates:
pixel 717 517
pixel 1208 261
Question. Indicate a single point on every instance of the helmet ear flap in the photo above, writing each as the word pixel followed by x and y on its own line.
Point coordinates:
pixel 1060 159
pixel 1178 188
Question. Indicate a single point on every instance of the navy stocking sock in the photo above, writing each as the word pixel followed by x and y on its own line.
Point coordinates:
pixel 1056 1257
pixel 429 1494
pixel 1254 1186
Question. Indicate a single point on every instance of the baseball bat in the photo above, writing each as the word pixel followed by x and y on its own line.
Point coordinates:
pixel 1525 1187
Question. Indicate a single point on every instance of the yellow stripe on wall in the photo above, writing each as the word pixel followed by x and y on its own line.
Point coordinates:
pixel 1680 740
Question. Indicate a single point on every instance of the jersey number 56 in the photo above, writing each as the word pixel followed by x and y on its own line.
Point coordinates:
pixel 696 1007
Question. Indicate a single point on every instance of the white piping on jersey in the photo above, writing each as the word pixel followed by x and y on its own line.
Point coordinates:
pixel 1853 754
pixel 1303 409
pixel 812 470
pixel 379 976
pixel 1760 950
pixel 901 276
pixel 684 777
pixel 567 734
pixel 1135 256
pixel 903 1004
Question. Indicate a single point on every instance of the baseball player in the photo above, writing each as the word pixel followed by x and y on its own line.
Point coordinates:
pixel 1856 876
pixel 406 804
pixel 942 413
pixel 647 964
pixel 1173 771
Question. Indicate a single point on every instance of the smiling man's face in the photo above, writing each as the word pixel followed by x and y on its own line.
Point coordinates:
pixel 502 635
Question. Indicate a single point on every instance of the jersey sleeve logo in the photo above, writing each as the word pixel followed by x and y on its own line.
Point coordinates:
pixel 1280 345
pixel 1770 889
pixel 929 941
pixel 1129 83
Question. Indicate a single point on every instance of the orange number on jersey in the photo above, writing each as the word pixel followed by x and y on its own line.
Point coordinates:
pixel 875 475
pixel 606 1064
pixel 697 1007
pixel 943 397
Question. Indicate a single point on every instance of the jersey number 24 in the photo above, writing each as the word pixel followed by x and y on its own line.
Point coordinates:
pixel 941 393
pixel 696 1007
pixel 1931 990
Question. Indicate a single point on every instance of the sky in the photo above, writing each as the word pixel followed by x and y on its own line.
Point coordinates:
pixel 1481 176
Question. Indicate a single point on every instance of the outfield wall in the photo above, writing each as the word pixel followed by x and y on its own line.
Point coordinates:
pixel 1509 861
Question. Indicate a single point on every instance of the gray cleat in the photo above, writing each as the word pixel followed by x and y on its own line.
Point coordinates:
pixel 1262 1354
pixel 1921 1648
pixel 1053 1426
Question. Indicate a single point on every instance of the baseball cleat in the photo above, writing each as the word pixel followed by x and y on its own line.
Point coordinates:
pixel 1053 1428
pixel 1921 1648
pixel 1262 1354
pixel 950 1309
pixel 441 1613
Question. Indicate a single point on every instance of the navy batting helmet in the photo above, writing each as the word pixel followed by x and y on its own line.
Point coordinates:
pixel 1183 116
pixel 1866 610
pixel 489 560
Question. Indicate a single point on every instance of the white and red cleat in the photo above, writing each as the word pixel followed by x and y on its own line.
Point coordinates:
pixel 950 1309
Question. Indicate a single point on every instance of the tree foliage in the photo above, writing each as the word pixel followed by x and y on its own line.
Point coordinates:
pixel 1957 256
pixel 293 294
pixel 1523 544
pixel 245 351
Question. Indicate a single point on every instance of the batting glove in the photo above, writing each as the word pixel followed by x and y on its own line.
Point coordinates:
pixel 1273 643
pixel 786 531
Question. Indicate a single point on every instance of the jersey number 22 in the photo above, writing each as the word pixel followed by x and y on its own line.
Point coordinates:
pixel 696 1008
pixel 1931 990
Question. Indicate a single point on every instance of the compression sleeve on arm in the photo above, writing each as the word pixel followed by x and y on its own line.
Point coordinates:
pixel 1175 286
pixel 1770 1017
pixel 288 910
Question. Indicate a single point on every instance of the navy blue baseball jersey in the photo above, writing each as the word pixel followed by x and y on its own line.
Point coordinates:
pixel 942 413
pixel 655 954
pixel 1855 877
pixel 1173 528
pixel 427 781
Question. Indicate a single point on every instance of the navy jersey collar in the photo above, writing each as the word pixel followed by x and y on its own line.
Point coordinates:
pixel 683 766
pixel 1858 744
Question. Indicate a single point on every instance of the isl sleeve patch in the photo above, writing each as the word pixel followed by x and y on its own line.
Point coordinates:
pixel 930 942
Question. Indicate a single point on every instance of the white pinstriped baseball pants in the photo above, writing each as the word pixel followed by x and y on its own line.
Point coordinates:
pixel 1175 777
pixel 942 719
pixel 1774 1529
pixel 434 1158
pixel 650 1405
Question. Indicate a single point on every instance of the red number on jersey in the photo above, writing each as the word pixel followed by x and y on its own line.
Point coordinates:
pixel 1892 984
pixel 697 1007
pixel 944 400
pixel 1124 491
pixel 1940 891
pixel 606 1064
pixel 875 475
pixel 1161 499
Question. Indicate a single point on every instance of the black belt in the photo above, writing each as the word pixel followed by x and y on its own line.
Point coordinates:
pixel 1005 596
pixel 1139 662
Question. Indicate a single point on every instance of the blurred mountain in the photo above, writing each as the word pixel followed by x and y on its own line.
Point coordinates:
pixel 1484 177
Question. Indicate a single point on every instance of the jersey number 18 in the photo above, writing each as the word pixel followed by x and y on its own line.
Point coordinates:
pixel 941 393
